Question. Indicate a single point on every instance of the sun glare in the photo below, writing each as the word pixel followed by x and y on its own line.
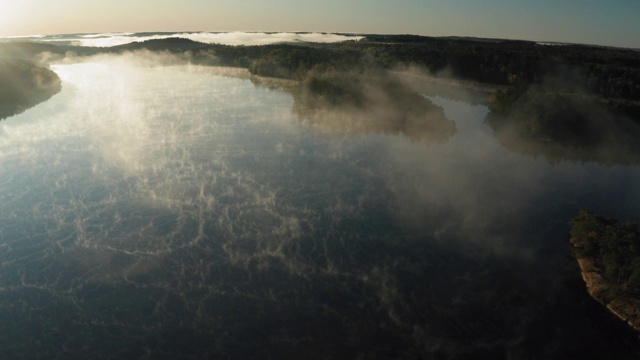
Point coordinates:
pixel 11 16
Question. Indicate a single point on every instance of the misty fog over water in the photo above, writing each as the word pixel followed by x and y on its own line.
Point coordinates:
pixel 180 212
pixel 226 38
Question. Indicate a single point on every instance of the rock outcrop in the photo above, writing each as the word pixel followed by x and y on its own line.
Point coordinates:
pixel 613 296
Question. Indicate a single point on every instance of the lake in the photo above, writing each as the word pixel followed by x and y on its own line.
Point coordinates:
pixel 188 212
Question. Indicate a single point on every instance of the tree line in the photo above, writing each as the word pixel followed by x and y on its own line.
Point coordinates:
pixel 614 245
pixel 23 84
pixel 547 89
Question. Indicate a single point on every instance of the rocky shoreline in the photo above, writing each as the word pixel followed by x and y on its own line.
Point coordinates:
pixel 613 296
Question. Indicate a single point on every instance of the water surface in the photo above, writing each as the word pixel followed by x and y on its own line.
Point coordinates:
pixel 176 212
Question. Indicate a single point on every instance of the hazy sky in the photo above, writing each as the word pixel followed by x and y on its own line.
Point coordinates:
pixel 605 22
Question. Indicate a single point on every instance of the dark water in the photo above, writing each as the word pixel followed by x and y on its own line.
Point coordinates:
pixel 174 212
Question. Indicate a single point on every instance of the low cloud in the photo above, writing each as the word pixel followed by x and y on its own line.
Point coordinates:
pixel 225 38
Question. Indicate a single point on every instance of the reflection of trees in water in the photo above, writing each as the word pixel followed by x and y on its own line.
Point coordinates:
pixel 372 102
pixel 563 127
pixel 616 147
pixel 23 85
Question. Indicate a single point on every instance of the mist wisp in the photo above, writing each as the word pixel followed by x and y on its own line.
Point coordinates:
pixel 225 38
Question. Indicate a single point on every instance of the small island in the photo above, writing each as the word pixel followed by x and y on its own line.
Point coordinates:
pixel 373 101
pixel 23 85
pixel 608 253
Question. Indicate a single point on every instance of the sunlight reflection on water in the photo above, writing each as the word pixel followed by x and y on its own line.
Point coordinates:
pixel 143 197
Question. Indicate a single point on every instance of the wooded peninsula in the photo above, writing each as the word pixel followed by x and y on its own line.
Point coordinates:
pixel 23 84
pixel 608 253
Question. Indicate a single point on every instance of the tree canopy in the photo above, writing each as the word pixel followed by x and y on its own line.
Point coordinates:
pixel 614 245
pixel 23 85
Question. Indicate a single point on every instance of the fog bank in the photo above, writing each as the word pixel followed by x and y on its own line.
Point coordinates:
pixel 225 38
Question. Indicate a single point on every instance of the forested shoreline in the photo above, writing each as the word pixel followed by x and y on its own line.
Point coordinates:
pixel 611 74
pixel 608 253
pixel 23 84
pixel 563 102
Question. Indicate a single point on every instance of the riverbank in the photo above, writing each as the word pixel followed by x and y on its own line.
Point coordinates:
pixel 613 296
pixel 24 85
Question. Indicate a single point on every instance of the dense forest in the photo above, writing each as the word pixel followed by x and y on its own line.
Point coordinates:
pixel 609 73
pixel 23 85
pixel 613 245
pixel 608 254
pixel 371 101
pixel 565 102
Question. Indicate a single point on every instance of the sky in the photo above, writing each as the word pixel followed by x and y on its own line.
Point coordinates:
pixel 600 22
